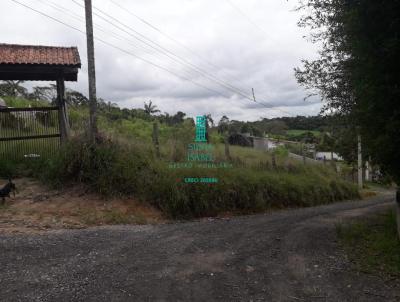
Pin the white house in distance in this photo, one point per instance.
(328, 156)
(265, 143)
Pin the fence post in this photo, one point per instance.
(273, 160)
(62, 113)
(227, 152)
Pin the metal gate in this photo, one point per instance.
(29, 132)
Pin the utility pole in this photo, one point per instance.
(360, 168)
(91, 71)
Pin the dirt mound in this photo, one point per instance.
(37, 208)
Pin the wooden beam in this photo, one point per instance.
(30, 109)
(21, 138)
(38, 72)
(62, 111)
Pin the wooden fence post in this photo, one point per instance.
(273, 160)
(62, 111)
(227, 152)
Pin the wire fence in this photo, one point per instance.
(28, 132)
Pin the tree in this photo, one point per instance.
(223, 124)
(13, 88)
(357, 72)
(209, 121)
(245, 128)
(178, 118)
(209, 125)
(76, 98)
(150, 109)
(276, 127)
(223, 128)
(44, 93)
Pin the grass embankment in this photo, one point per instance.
(125, 165)
(372, 245)
(253, 185)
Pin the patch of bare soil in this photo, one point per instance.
(37, 208)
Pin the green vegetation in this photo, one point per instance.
(294, 132)
(124, 163)
(252, 185)
(21, 102)
(373, 245)
(355, 72)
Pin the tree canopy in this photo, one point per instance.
(358, 69)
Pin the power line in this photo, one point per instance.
(240, 11)
(165, 34)
(63, 9)
(132, 54)
(98, 27)
(178, 42)
(120, 49)
(119, 37)
(169, 53)
(197, 69)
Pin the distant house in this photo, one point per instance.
(265, 143)
(328, 156)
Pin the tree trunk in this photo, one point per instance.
(398, 210)
(360, 164)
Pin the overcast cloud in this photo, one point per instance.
(259, 53)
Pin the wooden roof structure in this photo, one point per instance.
(38, 63)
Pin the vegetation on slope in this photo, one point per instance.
(373, 245)
(124, 163)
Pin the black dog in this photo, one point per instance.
(6, 190)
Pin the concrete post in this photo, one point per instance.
(91, 70)
(367, 171)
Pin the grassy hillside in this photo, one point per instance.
(301, 132)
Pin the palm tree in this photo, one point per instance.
(150, 108)
(209, 122)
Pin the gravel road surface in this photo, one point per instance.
(290, 255)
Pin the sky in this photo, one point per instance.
(195, 56)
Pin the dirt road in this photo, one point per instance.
(285, 256)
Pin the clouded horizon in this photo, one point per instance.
(226, 47)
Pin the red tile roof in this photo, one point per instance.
(27, 54)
